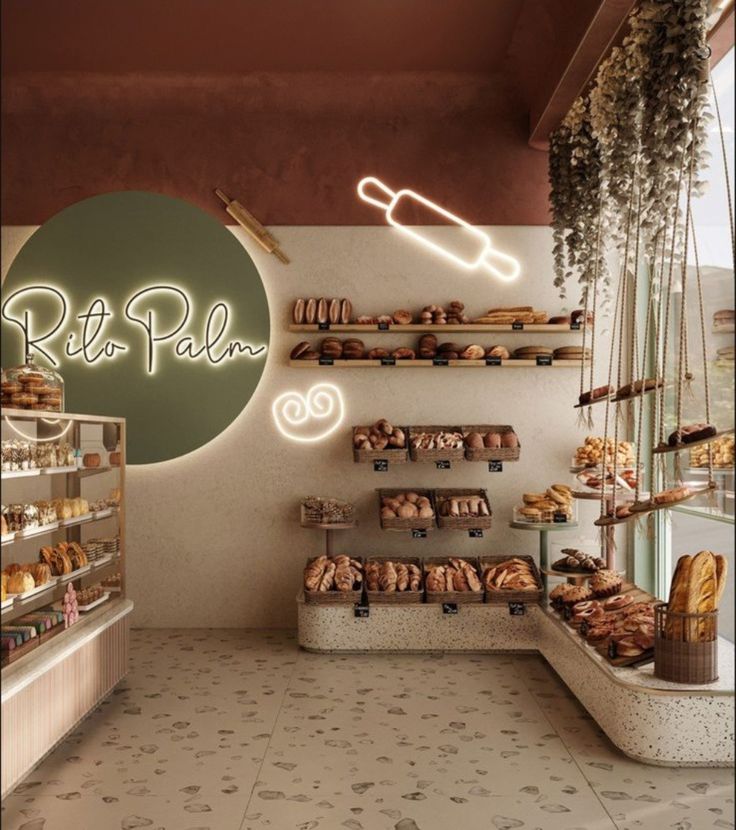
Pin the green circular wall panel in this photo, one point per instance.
(183, 341)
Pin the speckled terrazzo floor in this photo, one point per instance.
(233, 730)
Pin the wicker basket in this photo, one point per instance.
(462, 522)
(685, 646)
(500, 596)
(390, 454)
(406, 524)
(332, 597)
(435, 455)
(459, 597)
(486, 453)
(397, 597)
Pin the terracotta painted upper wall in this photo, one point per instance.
(284, 104)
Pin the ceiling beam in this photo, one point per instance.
(602, 32)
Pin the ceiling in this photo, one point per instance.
(236, 36)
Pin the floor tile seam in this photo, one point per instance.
(568, 749)
(287, 688)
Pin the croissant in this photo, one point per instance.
(328, 577)
(371, 576)
(402, 577)
(388, 577)
(344, 576)
(313, 573)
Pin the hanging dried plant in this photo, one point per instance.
(575, 176)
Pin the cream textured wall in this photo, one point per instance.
(214, 536)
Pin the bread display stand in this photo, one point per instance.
(329, 528)
(651, 720)
(78, 666)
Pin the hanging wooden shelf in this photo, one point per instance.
(644, 508)
(666, 448)
(616, 398)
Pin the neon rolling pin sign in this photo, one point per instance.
(91, 345)
(487, 258)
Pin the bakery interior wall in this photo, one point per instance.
(448, 116)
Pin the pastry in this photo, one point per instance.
(514, 574)
(627, 647)
(690, 433)
(674, 494)
(322, 310)
(617, 603)
(310, 311)
(402, 317)
(454, 575)
(636, 388)
(723, 317)
(595, 394)
(565, 594)
(333, 311)
(720, 450)
(498, 351)
(346, 310)
(20, 582)
(605, 583)
(91, 459)
(403, 354)
(595, 451)
(472, 353)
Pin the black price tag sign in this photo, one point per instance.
(380, 465)
(383, 326)
(613, 649)
(517, 326)
(449, 608)
(517, 609)
(418, 533)
(324, 326)
(475, 533)
(388, 361)
(584, 628)
(567, 613)
(495, 466)
(326, 361)
(443, 465)
(560, 518)
(493, 360)
(440, 361)
(361, 611)
(575, 326)
(544, 360)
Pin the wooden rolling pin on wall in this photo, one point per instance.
(246, 220)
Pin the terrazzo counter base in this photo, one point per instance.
(648, 719)
(47, 693)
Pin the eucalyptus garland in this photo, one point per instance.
(644, 118)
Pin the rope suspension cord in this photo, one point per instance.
(608, 399)
(706, 379)
(581, 416)
(596, 268)
(725, 170)
(658, 366)
(634, 359)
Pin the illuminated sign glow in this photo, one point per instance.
(506, 269)
(62, 431)
(90, 343)
(322, 408)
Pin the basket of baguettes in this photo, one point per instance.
(332, 580)
(463, 509)
(511, 579)
(451, 579)
(393, 581)
(686, 627)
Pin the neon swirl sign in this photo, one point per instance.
(142, 309)
(309, 418)
(501, 265)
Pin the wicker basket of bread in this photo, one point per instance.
(406, 509)
(381, 441)
(333, 580)
(686, 627)
(511, 579)
(436, 443)
(486, 442)
(460, 509)
(451, 579)
(393, 581)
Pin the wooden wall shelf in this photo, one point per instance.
(340, 363)
(373, 328)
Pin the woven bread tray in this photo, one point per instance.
(501, 595)
(414, 523)
(459, 597)
(486, 453)
(397, 597)
(461, 522)
(391, 454)
(435, 455)
(333, 596)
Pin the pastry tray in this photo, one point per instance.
(103, 514)
(38, 589)
(94, 604)
(21, 473)
(8, 538)
(6, 603)
(76, 574)
(49, 471)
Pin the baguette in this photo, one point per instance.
(702, 593)
(721, 576)
(678, 596)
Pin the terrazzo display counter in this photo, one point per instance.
(646, 718)
(45, 695)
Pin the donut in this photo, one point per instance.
(580, 607)
(589, 615)
(617, 603)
